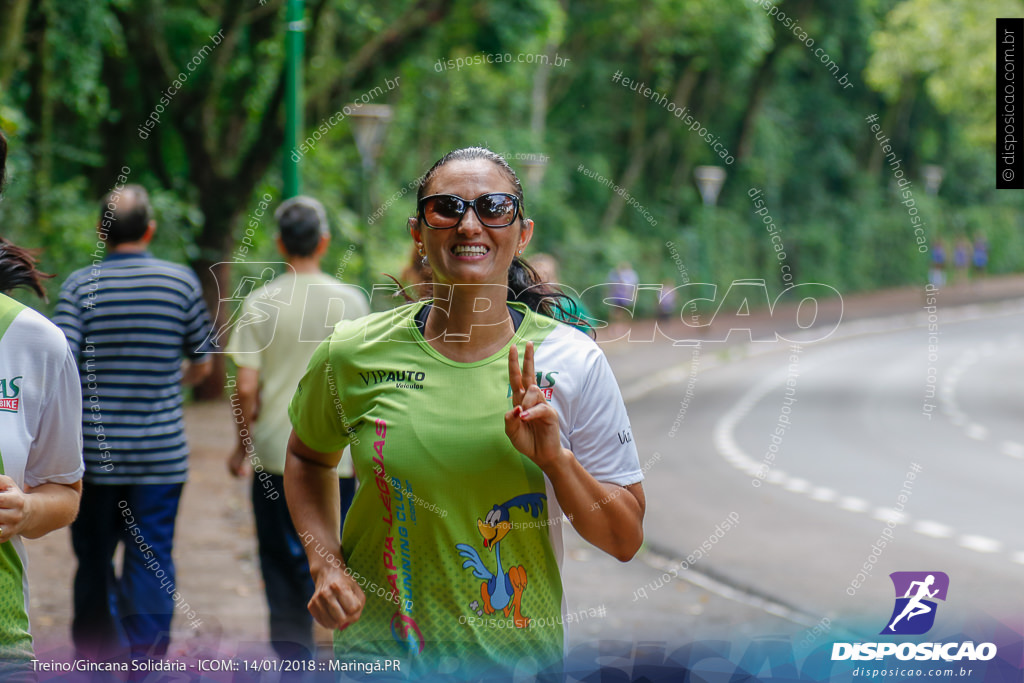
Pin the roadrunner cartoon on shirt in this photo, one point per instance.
(501, 590)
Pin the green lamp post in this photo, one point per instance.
(295, 39)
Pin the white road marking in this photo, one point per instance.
(889, 515)
(933, 529)
(823, 494)
(947, 392)
(727, 446)
(977, 432)
(981, 544)
(798, 485)
(1013, 449)
(854, 504)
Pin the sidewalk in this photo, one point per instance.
(889, 308)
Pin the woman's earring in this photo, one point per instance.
(423, 255)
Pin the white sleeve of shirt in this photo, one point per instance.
(601, 437)
(55, 455)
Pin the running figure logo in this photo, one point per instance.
(266, 307)
(914, 613)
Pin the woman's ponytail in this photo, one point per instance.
(526, 286)
(18, 269)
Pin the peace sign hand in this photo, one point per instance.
(532, 424)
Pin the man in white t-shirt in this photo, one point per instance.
(291, 315)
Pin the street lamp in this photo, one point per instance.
(369, 122)
(709, 181)
(535, 166)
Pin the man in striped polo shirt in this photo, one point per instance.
(130, 319)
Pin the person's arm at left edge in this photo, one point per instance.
(36, 511)
(54, 463)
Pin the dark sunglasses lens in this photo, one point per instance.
(497, 209)
(443, 211)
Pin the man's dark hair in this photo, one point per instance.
(124, 215)
(302, 221)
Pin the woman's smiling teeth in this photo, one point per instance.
(469, 250)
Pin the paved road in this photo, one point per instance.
(850, 425)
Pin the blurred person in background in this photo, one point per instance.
(40, 443)
(980, 256)
(962, 259)
(937, 270)
(622, 286)
(667, 302)
(271, 354)
(131, 319)
(468, 456)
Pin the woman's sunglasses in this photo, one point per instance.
(494, 210)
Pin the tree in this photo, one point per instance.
(915, 48)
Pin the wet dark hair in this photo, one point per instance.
(524, 284)
(18, 269)
(17, 265)
(125, 214)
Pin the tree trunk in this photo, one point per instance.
(12, 31)
(214, 270)
(642, 150)
(760, 83)
(892, 126)
(40, 109)
(216, 281)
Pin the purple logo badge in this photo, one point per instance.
(916, 592)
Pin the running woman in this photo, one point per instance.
(476, 421)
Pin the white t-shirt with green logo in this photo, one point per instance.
(40, 441)
(454, 535)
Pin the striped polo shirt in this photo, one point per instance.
(130, 319)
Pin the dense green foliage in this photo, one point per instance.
(76, 84)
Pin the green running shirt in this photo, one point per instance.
(454, 535)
